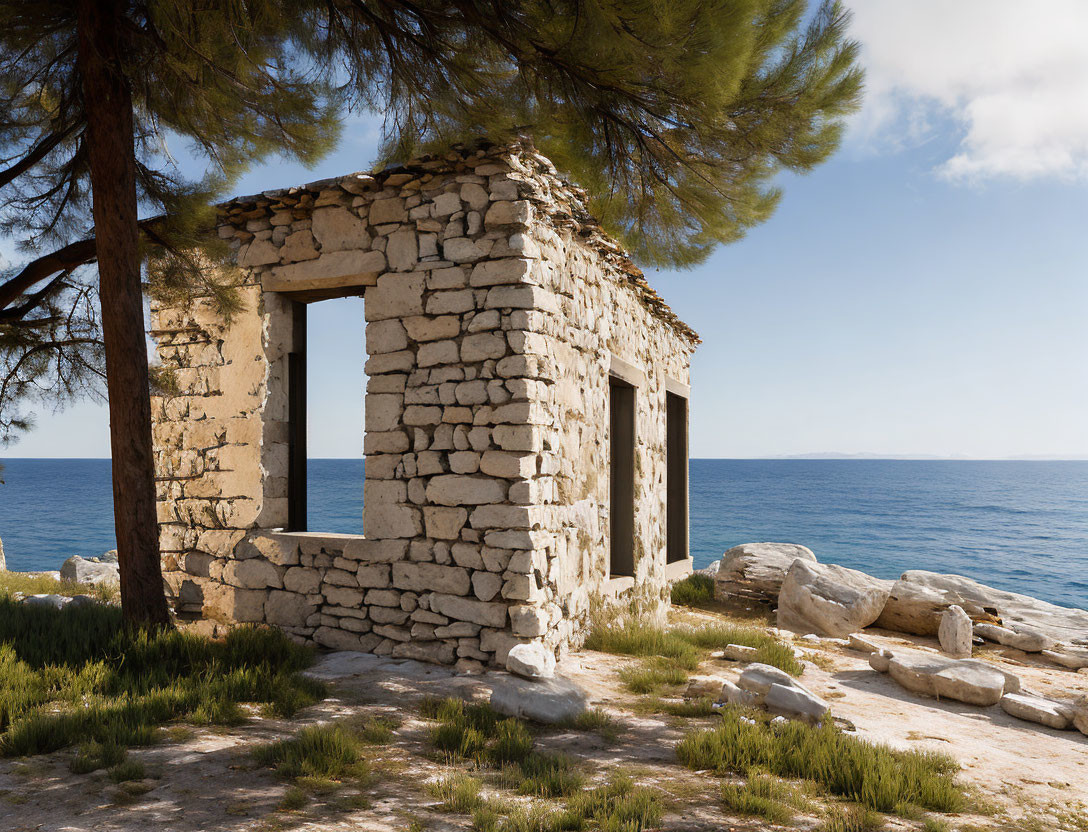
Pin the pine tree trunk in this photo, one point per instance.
(111, 153)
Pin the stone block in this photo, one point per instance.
(501, 272)
(458, 608)
(387, 210)
(395, 296)
(385, 336)
(482, 346)
(334, 270)
(444, 522)
(458, 489)
(402, 250)
(426, 577)
(388, 520)
(373, 575)
(339, 228)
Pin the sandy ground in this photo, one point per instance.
(207, 780)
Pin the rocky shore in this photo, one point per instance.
(832, 604)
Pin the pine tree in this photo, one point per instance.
(676, 116)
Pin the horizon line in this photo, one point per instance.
(815, 457)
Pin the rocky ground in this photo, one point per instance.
(1024, 776)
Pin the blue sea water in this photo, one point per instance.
(1021, 526)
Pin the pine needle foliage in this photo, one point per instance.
(675, 116)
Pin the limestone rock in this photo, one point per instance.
(543, 700)
(915, 608)
(795, 702)
(1037, 709)
(828, 599)
(756, 570)
(861, 644)
(1012, 681)
(731, 694)
(880, 660)
(1066, 656)
(701, 687)
(1060, 623)
(82, 571)
(955, 632)
(1080, 717)
(941, 678)
(532, 660)
(739, 653)
(758, 678)
(1019, 636)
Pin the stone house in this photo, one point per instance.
(525, 416)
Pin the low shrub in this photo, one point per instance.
(874, 776)
(693, 591)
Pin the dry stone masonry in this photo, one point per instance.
(497, 311)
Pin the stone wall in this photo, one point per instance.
(495, 312)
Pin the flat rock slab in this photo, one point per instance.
(756, 570)
(541, 700)
(829, 600)
(346, 664)
(1037, 709)
(970, 682)
(1070, 657)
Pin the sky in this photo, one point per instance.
(923, 293)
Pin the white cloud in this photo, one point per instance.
(1013, 74)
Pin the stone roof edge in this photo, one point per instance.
(565, 207)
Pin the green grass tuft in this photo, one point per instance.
(872, 775)
(77, 676)
(685, 647)
(475, 732)
(853, 819)
(693, 591)
(764, 796)
(318, 753)
(128, 770)
(459, 793)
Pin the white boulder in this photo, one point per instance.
(1037, 709)
(83, 571)
(955, 632)
(829, 600)
(703, 687)
(795, 702)
(542, 700)
(755, 571)
(733, 695)
(532, 660)
(758, 678)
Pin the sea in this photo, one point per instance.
(1017, 525)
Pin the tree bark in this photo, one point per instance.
(111, 152)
